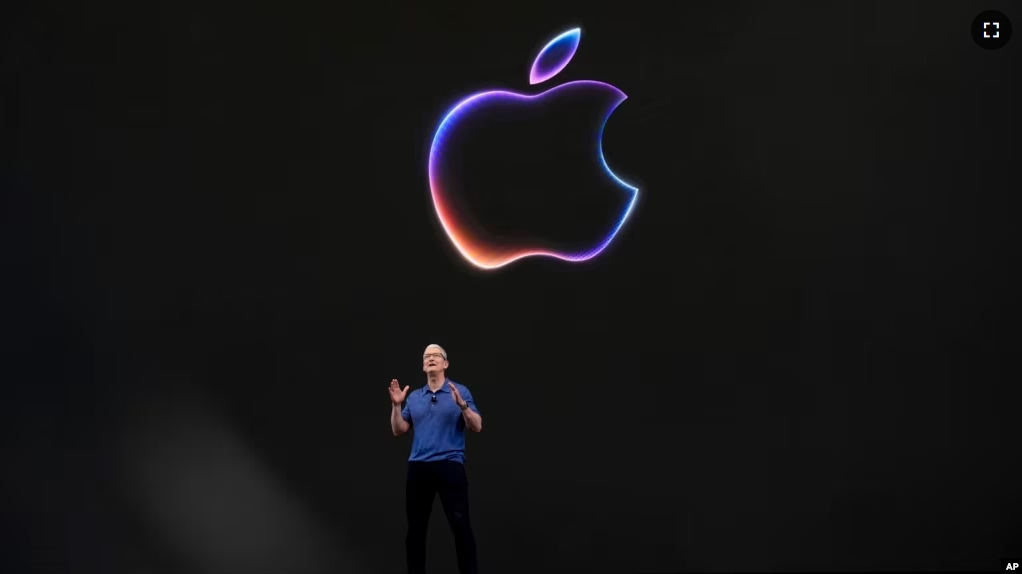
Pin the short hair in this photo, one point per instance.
(443, 353)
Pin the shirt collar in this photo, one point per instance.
(443, 388)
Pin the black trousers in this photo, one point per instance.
(426, 480)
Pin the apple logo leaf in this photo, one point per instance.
(555, 56)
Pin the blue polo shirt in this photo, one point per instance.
(438, 429)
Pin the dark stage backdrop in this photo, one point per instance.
(219, 248)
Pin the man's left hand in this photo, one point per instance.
(457, 396)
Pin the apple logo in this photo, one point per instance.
(470, 239)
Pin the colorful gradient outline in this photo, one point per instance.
(540, 72)
(488, 257)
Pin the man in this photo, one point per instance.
(439, 412)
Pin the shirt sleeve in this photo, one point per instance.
(406, 413)
(467, 395)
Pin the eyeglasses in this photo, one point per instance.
(432, 356)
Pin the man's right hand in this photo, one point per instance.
(397, 394)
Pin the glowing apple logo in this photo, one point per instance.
(478, 249)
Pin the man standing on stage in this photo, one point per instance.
(439, 412)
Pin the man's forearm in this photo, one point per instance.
(398, 425)
(473, 421)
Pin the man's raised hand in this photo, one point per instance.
(457, 395)
(397, 394)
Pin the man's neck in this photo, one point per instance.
(435, 381)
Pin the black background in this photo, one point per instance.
(218, 249)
